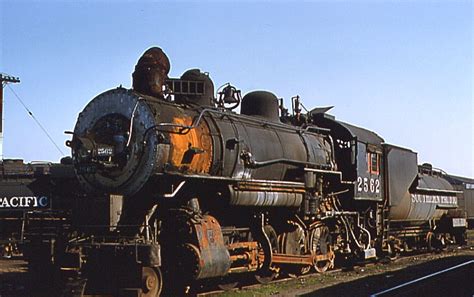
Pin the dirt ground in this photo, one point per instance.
(370, 279)
(13, 278)
(361, 281)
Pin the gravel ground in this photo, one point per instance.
(458, 285)
(13, 278)
(370, 279)
(361, 281)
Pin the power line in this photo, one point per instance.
(36, 120)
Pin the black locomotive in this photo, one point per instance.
(183, 189)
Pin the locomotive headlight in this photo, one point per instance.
(111, 150)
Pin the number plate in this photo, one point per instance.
(459, 222)
(368, 185)
(105, 151)
(370, 253)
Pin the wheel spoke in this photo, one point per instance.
(320, 246)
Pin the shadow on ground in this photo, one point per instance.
(457, 283)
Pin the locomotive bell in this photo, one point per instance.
(151, 72)
(229, 95)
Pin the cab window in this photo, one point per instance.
(373, 160)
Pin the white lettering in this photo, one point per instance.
(43, 201)
(377, 186)
(359, 184)
(13, 203)
(420, 198)
(24, 202)
(367, 185)
(28, 201)
(459, 222)
(5, 203)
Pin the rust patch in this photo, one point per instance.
(212, 256)
(245, 256)
(192, 151)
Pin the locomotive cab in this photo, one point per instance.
(359, 157)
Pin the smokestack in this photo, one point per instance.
(151, 72)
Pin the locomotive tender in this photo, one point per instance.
(198, 192)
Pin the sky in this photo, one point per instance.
(403, 69)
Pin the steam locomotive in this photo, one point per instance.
(182, 189)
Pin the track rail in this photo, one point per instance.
(413, 286)
(276, 281)
(252, 286)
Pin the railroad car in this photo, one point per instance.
(466, 197)
(184, 190)
(29, 199)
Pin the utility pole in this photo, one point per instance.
(4, 79)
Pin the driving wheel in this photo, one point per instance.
(321, 247)
(152, 282)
